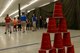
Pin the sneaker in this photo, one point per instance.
(5, 33)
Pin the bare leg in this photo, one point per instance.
(6, 28)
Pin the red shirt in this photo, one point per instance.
(15, 22)
(7, 19)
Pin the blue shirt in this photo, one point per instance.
(34, 18)
(23, 18)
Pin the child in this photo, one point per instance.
(34, 20)
(19, 24)
(28, 25)
(8, 24)
(14, 24)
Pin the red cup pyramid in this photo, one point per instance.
(60, 41)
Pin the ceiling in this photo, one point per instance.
(14, 6)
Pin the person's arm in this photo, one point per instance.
(32, 19)
(20, 18)
(5, 18)
(26, 20)
(17, 22)
(11, 20)
(36, 18)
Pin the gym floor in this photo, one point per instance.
(30, 42)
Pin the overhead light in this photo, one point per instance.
(25, 6)
(32, 2)
(27, 12)
(13, 13)
(8, 4)
(44, 4)
(16, 15)
(30, 10)
(55, 0)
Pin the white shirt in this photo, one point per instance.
(47, 20)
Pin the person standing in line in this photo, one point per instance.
(34, 19)
(23, 21)
(47, 20)
(8, 24)
(40, 22)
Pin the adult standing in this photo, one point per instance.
(41, 22)
(23, 21)
(8, 24)
(47, 20)
(34, 19)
